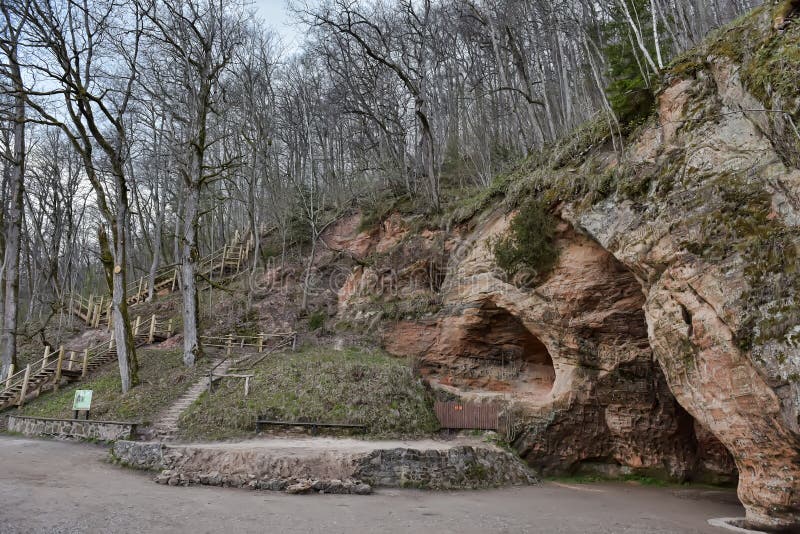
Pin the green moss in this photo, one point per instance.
(775, 66)
(374, 212)
(529, 245)
(736, 38)
(685, 66)
(660, 480)
(787, 9)
(476, 472)
(316, 320)
(743, 224)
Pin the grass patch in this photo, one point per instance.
(163, 376)
(318, 384)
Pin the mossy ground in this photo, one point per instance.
(164, 378)
(317, 384)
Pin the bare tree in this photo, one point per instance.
(12, 25)
(75, 38)
(198, 38)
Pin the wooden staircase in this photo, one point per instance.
(222, 262)
(66, 366)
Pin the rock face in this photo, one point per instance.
(570, 355)
(717, 256)
(666, 338)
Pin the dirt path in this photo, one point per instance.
(299, 445)
(166, 426)
(48, 486)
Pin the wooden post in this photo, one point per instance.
(260, 342)
(152, 334)
(169, 328)
(222, 264)
(45, 356)
(246, 385)
(59, 363)
(139, 293)
(230, 342)
(10, 373)
(174, 279)
(71, 360)
(111, 341)
(85, 361)
(239, 259)
(24, 390)
(99, 311)
(136, 325)
(89, 306)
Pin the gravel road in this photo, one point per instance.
(55, 487)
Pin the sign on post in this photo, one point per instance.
(83, 400)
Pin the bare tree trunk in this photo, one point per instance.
(123, 334)
(13, 226)
(638, 35)
(151, 279)
(192, 349)
(655, 34)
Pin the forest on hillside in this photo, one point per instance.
(136, 134)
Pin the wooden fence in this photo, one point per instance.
(71, 363)
(224, 261)
(468, 415)
(257, 343)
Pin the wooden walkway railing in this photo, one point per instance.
(227, 260)
(255, 343)
(73, 364)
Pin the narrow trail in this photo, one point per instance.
(166, 427)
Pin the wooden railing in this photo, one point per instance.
(228, 259)
(257, 343)
(51, 366)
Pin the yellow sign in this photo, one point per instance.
(83, 400)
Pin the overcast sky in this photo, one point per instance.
(276, 14)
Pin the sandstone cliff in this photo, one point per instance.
(665, 340)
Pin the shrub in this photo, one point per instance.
(529, 245)
(316, 320)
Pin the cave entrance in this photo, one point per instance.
(504, 355)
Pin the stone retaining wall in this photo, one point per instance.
(461, 467)
(71, 428)
(456, 468)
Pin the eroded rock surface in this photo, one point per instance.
(570, 355)
(666, 338)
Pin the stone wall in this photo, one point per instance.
(459, 467)
(108, 431)
(455, 468)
